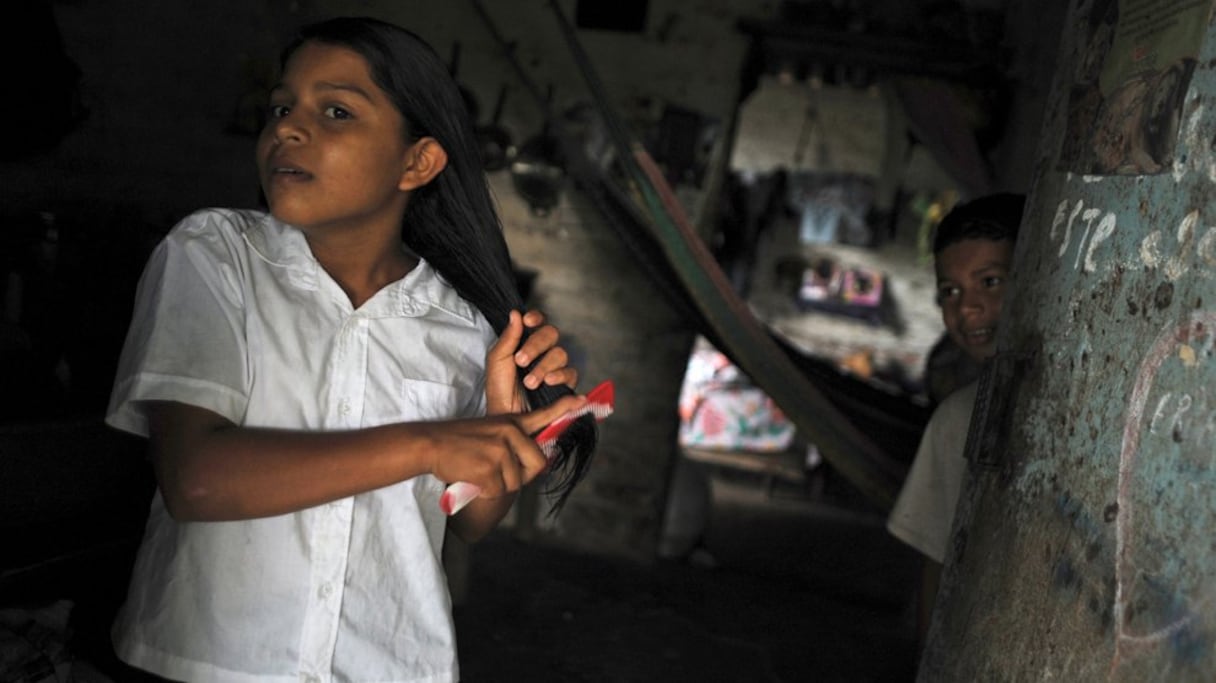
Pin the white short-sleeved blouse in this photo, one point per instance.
(233, 314)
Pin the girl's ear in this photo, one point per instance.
(423, 161)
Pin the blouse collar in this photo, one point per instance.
(422, 288)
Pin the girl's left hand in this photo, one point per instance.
(503, 392)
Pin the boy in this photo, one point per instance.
(973, 253)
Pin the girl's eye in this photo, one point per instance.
(278, 111)
(993, 281)
(946, 293)
(335, 112)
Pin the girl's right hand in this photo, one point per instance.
(496, 453)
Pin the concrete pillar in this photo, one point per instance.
(1082, 549)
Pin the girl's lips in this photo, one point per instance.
(281, 165)
(289, 173)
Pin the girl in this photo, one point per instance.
(309, 379)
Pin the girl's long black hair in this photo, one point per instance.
(451, 221)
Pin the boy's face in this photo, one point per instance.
(971, 277)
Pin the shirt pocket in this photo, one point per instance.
(423, 400)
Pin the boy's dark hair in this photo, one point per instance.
(993, 217)
(451, 222)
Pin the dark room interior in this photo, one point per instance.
(764, 301)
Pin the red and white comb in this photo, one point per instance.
(600, 402)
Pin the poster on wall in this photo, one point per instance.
(1129, 80)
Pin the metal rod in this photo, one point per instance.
(508, 49)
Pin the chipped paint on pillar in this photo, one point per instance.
(1086, 548)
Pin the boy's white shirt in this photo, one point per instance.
(923, 515)
(234, 315)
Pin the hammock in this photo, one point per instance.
(865, 433)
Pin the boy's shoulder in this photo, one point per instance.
(955, 410)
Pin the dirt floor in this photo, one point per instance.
(807, 586)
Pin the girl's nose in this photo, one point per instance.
(287, 128)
